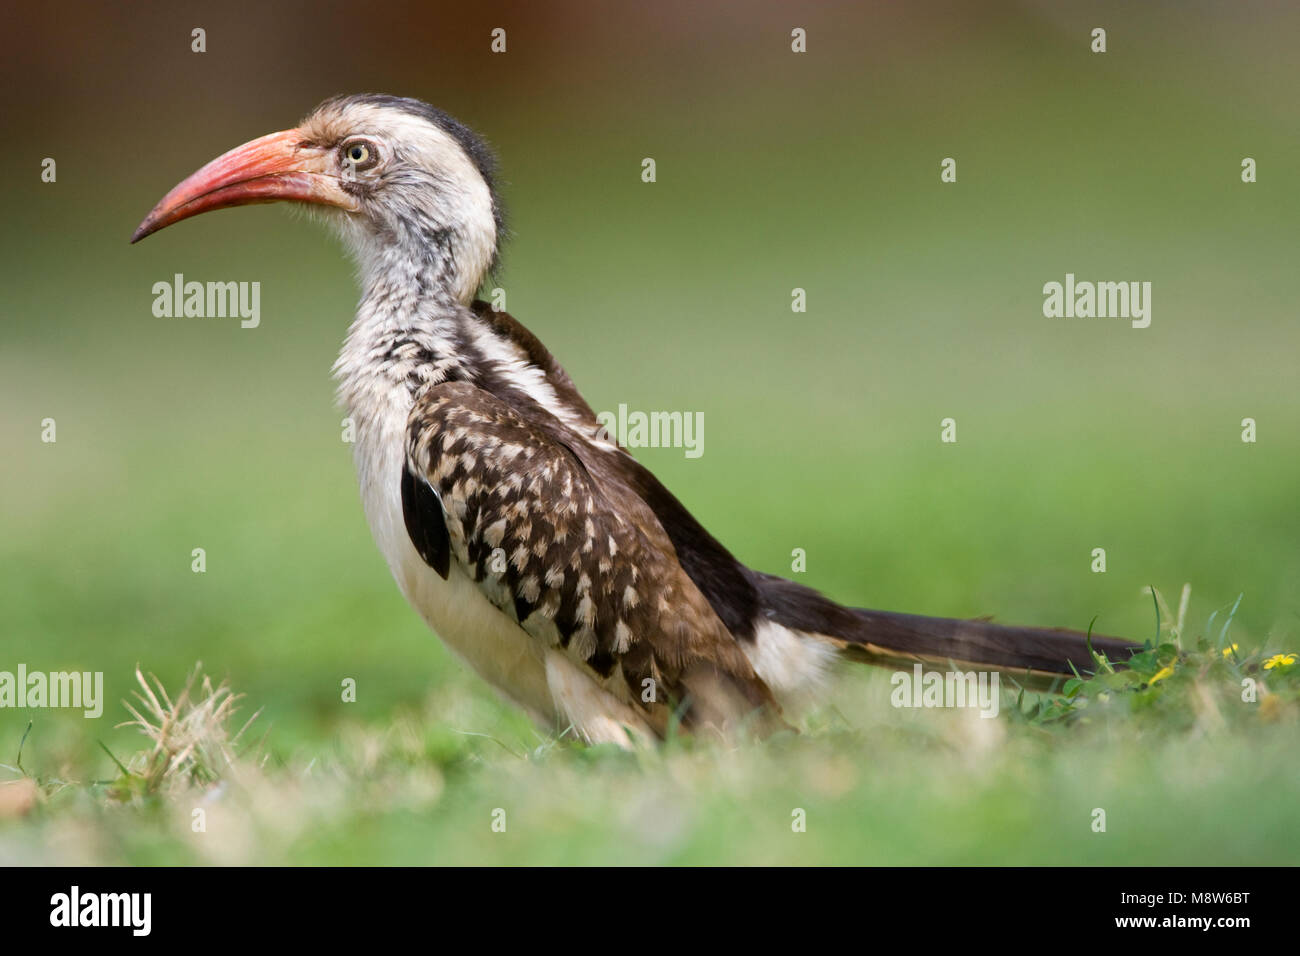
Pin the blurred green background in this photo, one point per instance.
(775, 171)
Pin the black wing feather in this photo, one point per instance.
(425, 523)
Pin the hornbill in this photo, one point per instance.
(530, 541)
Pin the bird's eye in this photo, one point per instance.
(360, 154)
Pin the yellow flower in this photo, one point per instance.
(1161, 674)
(1231, 649)
(1279, 660)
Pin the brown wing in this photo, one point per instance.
(724, 581)
(580, 563)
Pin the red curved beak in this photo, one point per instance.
(268, 169)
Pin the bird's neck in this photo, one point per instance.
(411, 331)
(410, 335)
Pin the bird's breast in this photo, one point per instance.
(488, 640)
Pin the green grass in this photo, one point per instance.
(1184, 770)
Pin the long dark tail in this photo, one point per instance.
(891, 638)
(1039, 650)
(739, 595)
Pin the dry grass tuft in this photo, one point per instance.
(192, 741)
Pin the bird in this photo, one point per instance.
(525, 535)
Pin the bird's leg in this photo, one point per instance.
(597, 715)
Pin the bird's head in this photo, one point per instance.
(407, 186)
